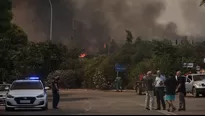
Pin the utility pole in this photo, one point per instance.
(108, 50)
(51, 19)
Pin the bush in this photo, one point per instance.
(68, 78)
(99, 80)
(89, 70)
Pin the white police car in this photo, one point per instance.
(27, 94)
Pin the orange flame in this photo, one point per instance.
(82, 55)
(105, 45)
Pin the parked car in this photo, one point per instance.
(3, 92)
(140, 86)
(195, 84)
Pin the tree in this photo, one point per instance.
(143, 50)
(202, 3)
(200, 54)
(163, 47)
(13, 44)
(138, 40)
(90, 70)
(6, 16)
(68, 78)
(113, 46)
(44, 57)
(129, 36)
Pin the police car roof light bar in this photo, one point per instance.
(33, 78)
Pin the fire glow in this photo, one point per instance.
(82, 55)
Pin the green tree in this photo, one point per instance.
(6, 16)
(143, 50)
(90, 69)
(202, 2)
(68, 78)
(13, 52)
(129, 36)
(45, 57)
(13, 43)
(113, 47)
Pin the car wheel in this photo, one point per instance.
(203, 94)
(195, 93)
(134, 87)
(9, 109)
(45, 107)
(138, 90)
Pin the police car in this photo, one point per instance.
(28, 93)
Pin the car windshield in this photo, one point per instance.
(199, 77)
(26, 85)
(2, 87)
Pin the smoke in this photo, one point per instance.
(91, 23)
(26, 17)
(34, 17)
(187, 15)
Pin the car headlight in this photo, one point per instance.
(41, 95)
(9, 96)
(198, 84)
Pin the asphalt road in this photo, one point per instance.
(84, 102)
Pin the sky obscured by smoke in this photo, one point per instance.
(91, 23)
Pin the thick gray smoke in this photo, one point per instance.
(91, 23)
(187, 15)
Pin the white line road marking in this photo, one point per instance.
(162, 111)
(87, 105)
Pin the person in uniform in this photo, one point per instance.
(55, 92)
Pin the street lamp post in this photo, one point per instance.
(51, 20)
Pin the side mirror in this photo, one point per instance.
(6, 88)
(47, 88)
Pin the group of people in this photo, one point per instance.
(164, 89)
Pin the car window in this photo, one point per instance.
(188, 80)
(190, 77)
(199, 77)
(26, 85)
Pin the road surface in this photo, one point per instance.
(85, 102)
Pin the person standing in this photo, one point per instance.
(181, 90)
(55, 92)
(149, 82)
(118, 83)
(159, 90)
(170, 84)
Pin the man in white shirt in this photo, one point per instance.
(159, 90)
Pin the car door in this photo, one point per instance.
(189, 83)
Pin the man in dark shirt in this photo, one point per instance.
(149, 89)
(182, 91)
(170, 84)
(55, 91)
